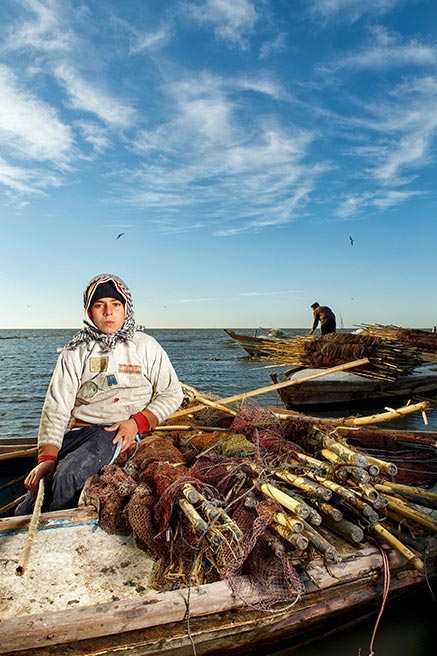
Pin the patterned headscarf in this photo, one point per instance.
(91, 332)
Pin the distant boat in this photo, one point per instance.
(345, 389)
(253, 345)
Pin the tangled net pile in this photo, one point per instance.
(388, 358)
(241, 505)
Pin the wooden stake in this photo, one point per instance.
(33, 526)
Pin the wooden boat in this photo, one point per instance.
(17, 457)
(253, 344)
(86, 592)
(345, 389)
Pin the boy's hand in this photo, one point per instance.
(126, 430)
(45, 470)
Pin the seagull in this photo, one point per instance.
(351, 240)
(120, 235)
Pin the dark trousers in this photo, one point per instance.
(84, 451)
(328, 327)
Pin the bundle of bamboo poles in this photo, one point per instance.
(338, 490)
(346, 492)
(388, 358)
(421, 339)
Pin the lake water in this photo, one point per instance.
(209, 361)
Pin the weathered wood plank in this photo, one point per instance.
(84, 514)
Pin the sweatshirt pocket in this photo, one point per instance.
(102, 383)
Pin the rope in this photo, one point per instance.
(385, 592)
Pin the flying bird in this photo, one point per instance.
(351, 240)
(119, 235)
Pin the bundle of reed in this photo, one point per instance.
(388, 358)
(421, 339)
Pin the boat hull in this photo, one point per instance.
(345, 389)
(252, 345)
(149, 622)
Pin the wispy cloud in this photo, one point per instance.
(29, 127)
(349, 10)
(45, 31)
(234, 167)
(407, 125)
(272, 46)
(261, 84)
(356, 203)
(95, 135)
(231, 21)
(93, 98)
(26, 181)
(386, 51)
(150, 41)
(208, 299)
(286, 292)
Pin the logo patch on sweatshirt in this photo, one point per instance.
(98, 364)
(129, 368)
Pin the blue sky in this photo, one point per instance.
(236, 144)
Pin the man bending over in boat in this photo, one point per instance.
(325, 315)
(112, 382)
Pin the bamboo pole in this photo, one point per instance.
(13, 481)
(304, 484)
(346, 529)
(298, 540)
(23, 453)
(208, 402)
(342, 491)
(387, 467)
(402, 508)
(270, 388)
(196, 521)
(401, 487)
(33, 527)
(330, 511)
(285, 500)
(12, 504)
(350, 422)
(392, 541)
(293, 524)
(391, 414)
(346, 453)
(319, 542)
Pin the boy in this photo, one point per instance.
(114, 381)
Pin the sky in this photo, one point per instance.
(233, 161)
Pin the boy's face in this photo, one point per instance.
(108, 315)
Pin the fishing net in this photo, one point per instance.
(217, 536)
(214, 506)
(113, 488)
